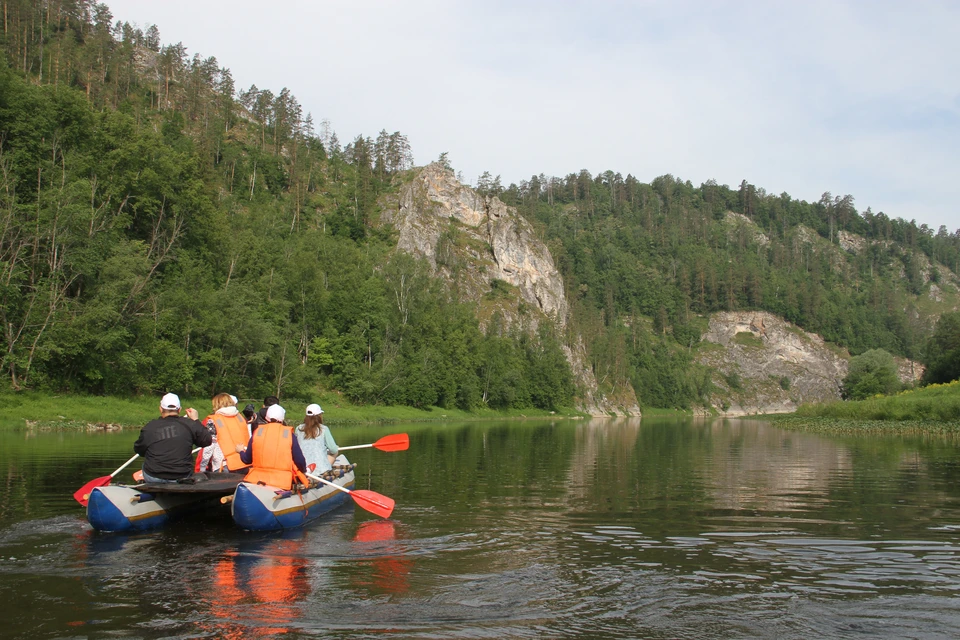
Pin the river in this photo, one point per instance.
(603, 529)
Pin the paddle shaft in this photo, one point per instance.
(332, 484)
(370, 500)
(135, 456)
(125, 464)
(356, 446)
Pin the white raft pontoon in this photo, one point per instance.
(148, 506)
(258, 507)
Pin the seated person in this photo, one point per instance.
(268, 402)
(166, 443)
(231, 430)
(274, 453)
(316, 441)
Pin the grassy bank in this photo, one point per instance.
(653, 412)
(40, 410)
(937, 402)
(932, 410)
(846, 426)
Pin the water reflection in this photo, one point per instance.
(385, 568)
(607, 528)
(257, 587)
(771, 469)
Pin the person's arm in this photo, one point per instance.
(298, 458)
(140, 447)
(246, 454)
(201, 435)
(330, 442)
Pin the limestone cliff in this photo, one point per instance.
(765, 364)
(453, 227)
(491, 256)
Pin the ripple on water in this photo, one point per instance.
(765, 563)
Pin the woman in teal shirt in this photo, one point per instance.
(316, 441)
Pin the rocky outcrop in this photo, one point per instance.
(491, 256)
(851, 242)
(909, 371)
(739, 224)
(765, 364)
(453, 226)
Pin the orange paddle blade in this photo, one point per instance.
(395, 442)
(82, 495)
(375, 503)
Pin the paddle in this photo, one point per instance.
(395, 442)
(82, 495)
(372, 501)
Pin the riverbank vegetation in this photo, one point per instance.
(934, 402)
(932, 409)
(163, 229)
(39, 410)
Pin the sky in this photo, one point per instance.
(847, 97)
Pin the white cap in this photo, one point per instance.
(233, 399)
(170, 402)
(276, 413)
(314, 409)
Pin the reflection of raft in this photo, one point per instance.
(263, 508)
(147, 506)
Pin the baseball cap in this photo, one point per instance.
(170, 402)
(276, 413)
(314, 409)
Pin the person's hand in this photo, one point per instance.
(241, 448)
(192, 413)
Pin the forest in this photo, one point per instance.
(644, 263)
(161, 229)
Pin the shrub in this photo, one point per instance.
(733, 381)
(872, 372)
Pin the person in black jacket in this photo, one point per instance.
(268, 402)
(166, 443)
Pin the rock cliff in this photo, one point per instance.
(765, 364)
(491, 256)
(453, 227)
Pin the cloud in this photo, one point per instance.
(847, 97)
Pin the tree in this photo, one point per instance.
(870, 373)
(942, 355)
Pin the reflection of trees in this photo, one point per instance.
(481, 487)
(759, 467)
(602, 443)
(668, 475)
(28, 489)
(639, 470)
(630, 465)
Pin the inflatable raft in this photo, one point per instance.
(148, 506)
(259, 507)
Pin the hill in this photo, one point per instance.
(163, 230)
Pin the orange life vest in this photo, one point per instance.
(231, 431)
(273, 457)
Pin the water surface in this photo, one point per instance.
(652, 529)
